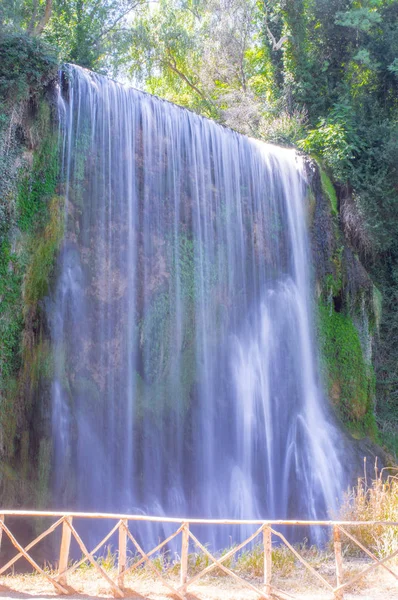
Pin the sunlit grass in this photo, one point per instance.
(374, 500)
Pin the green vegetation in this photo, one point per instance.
(35, 224)
(90, 33)
(40, 182)
(26, 66)
(328, 189)
(43, 256)
(375, 500)
(349, 379)
(31, 226)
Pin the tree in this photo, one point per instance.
(207, 56)
(88, 31)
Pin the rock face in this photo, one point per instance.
(181, 320)
(349, 309)
(33, 234)
(30, 235)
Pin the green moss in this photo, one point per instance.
(377, 307)
(22, 239)
(38, 186)
(350, 381)
(28, 246)
(11, 320)
(327, 185)
(30, 229)
(8, 416)
(333, 282)
(40, 364)
(43, 256)
(329, 191)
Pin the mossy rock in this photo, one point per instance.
(350, 380)
(44, 255)
(329, 191)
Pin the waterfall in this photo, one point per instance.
(186, 380)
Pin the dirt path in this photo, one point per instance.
(377, 586)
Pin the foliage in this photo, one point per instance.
(204, 56)
(27, 15)
(87, 32)
(26, 65)
(251, 561)
(90, 33)
(329, 140)
(281, 127)
(376, 500)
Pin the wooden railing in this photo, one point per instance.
(266, 530)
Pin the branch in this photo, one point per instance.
(275, 45)
(31, 25)
(171, 63)
(38, 30)
(116, 21)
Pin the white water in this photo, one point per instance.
(182, 322)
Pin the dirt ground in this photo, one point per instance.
(89, 585)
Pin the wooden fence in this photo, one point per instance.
(266, 530)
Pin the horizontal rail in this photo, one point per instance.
(195, 521)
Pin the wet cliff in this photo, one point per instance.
(32, 232)
(30, 235)
(349, 305)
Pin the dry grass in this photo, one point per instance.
(87, 584)
(375, 500)
(288, 574)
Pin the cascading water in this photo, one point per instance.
(186, 379)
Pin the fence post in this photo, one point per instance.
(122, 552)
(1, 531)
(339, 594)
(64, 550)
(184, 555)
(267, 541)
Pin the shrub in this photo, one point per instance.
(285, 128)
(330, 141)
(26, 64)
